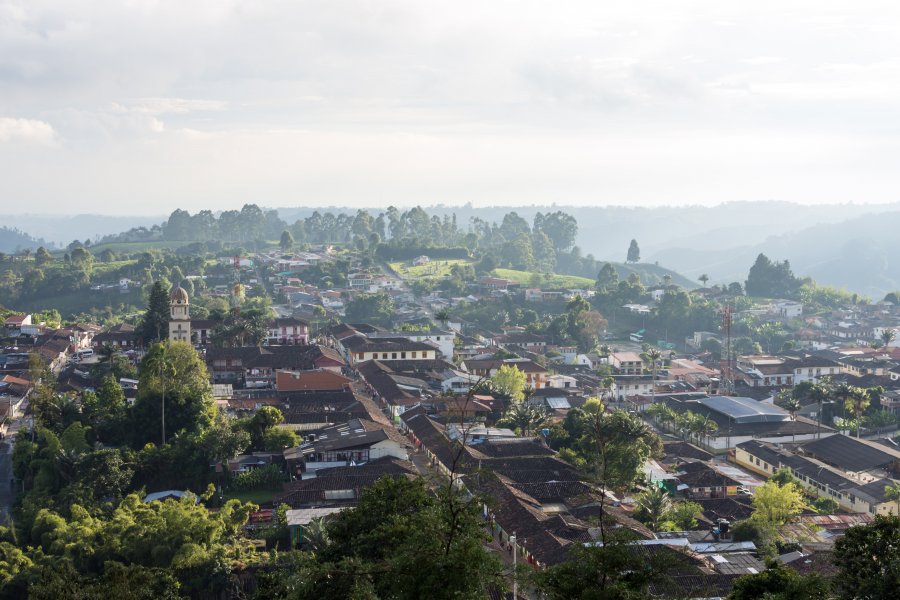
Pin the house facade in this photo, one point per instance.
(287, 331)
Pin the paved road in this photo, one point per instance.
(6, 494)
(7, 491)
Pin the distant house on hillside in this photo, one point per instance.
(15, 322)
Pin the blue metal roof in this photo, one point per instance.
(745, 410)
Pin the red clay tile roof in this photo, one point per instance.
(293, 381)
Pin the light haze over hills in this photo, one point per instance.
(844, 245)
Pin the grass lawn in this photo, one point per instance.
(435, 268)
(254, 496)
(552, 281)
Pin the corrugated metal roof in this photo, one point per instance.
(745, 410)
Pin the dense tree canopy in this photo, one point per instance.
(173, 369)
(771, 279)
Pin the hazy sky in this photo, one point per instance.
(142, 106)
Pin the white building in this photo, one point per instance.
(444, 341)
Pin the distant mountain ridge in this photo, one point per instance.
(63, 229)
(13, 240)
(861, 255)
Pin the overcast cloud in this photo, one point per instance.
(142, 106)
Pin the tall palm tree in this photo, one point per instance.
(707, 427)
(525, 417)
(684, 423)
(788, 402)
(653, 505)
(663, 414)
(703, 279)
(156, 361)
(820, 393)
(653, 355)
(888, 336)
(606, 385)
(442, 315)
(857, 403)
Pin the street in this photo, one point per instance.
(7, 491)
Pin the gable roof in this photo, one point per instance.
(320, 379)
(299, 357)
(851, 454)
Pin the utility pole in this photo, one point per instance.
(162, 382)
(513, 540)
(727, 375)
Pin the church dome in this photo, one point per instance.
(179, 295)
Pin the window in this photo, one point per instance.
(339, 495)
(403, 355)
(384, 355)
(414, 354)
(393, 355)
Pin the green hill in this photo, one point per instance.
(651, 274)
(549, 280)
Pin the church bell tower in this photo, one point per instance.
(179, 316)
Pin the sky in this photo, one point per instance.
(143, 106)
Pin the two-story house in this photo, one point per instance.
(627, 363)
(536, 376)
(287, 330)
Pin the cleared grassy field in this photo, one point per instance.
(550, 281)
(435, 268)
(253, 496)
(101, 267)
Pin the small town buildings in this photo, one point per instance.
(857, 458)
(14, 323)
(531, 342)
(287, 330)
(357, 441)
(627, 363)
(814, 368)
(535, 374)
(317, 380)
(122, 336)
(361, 349)
(256, 366)
(765, 371)
(818, 478)
(442, 339)
(739, 419)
